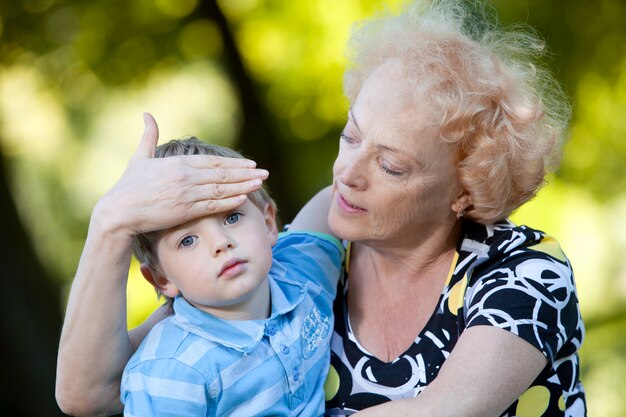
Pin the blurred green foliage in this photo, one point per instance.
(75, 77)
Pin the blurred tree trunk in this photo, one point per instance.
(258, 138)
(31, 318)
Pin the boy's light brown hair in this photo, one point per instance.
(143, 244)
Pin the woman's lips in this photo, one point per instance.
(232, 268)
(348, 206)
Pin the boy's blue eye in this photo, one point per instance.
(187, 241)
(233, 218)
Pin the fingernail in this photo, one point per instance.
(264, 173)
(256, 183)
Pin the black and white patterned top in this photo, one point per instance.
(503, 275)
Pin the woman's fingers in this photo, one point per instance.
(213, 161)
(224, 176)
(207, 207)
(216, 191)
(211, 198)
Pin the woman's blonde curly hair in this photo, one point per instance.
(490, 93)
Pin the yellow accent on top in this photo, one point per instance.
(534, 402)
(347, 261)
(455, 258)
(561, 403)
(456, 296)
(457, 293)
(550, 246)
(331, 386)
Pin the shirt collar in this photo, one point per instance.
(241, 335)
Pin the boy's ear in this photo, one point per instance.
(159, 281)
(269, 215)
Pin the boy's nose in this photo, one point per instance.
(223, 244)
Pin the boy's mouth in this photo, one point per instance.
(232, 267)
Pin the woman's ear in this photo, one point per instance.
(269, 214)
(461, 204)
(159, 281)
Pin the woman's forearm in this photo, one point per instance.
(314, 215)
(488, 369)
(152, 194)
(94, 345)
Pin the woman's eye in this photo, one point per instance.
(187, 241)
(346, 138)
(390, 171)
(233, 218)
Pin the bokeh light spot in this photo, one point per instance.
(200, 39)
(176, 8)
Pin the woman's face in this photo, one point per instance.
(394, 180)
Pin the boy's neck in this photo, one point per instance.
(257, 307)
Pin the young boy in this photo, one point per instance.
(252, 322)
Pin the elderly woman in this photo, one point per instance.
(445, 307)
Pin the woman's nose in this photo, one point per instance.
(353, 171)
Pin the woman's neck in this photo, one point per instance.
(394, 290)
(420, 258)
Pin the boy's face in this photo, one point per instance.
(220, 263)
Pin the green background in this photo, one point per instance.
(264, 77)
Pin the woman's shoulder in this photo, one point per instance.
(506, 242)
(504, 251)
(520, 279)
(500, 232)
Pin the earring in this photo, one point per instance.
(460, 214)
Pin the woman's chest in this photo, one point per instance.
(386, 324)
(358, 379)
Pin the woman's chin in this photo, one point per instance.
(344, 229)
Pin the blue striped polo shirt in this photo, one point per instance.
(195, 364)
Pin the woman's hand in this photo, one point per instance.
(155, 194)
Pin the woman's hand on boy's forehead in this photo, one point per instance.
(217, 178)
(155, 194)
